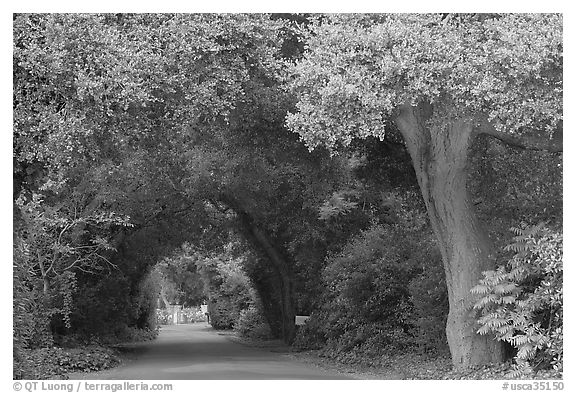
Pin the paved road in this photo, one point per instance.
(196, 351)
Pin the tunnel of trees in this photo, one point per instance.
(365, 170)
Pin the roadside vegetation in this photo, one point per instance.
(397, 178)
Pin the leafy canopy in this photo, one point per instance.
(358, 69)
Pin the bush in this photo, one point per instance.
(223, 312)
(366, 342)
(522, 301)
(31, 316)
(366, 307)
(252, 324)
(429, 298)
(368, 281)
(385, 292)
(312, 334)
(132, 334)
(45, 363)
(229, 288)
(124, 334)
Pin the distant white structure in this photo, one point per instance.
(301, 319)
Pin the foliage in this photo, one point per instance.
(193, 314)
(522, 301)
(429, 298)
(368, 279)
(359, 68)
(57, 246)
(336, 205)
(511, 186)
(180, 282)
(122, 333)
(223, 313)
(146, 302)
(31, 320)
(252, 324)
(47, 363)
(155, 117)
(228, 288)
(385, 287)
(310, 336)
(436, 76)
(108, 111)
(384, 291)
(134, 132)
(164, 317)
(188, 315)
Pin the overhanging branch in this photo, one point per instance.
(528, 140)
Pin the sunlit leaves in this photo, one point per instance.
(522, 302)
(336, 205)
(91, 86)
(359, 68)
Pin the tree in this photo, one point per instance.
(443, 80)
(90, 140)
(270, 186)
(180, 281)
(225, 283)
(164, 119)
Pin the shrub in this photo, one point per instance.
(429, 298)
(122, 333)
(252, 324)
(223, 313)
(366, 306)
(132, 334)
(522, 301)
(366, 342)
(384, 291)
(311, 335)
(229, 288)
(45, 363)
(368, 281)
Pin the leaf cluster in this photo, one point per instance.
(358, 70)
(522, 302)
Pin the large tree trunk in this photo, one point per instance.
(440, 157)
(279, 263)
(286, 284)
(265, 285)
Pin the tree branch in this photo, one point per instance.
(526, 141)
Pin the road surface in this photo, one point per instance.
(195, 351)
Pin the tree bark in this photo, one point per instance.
(286, 284)
(266, 285)
(261, 241)
(440, 157)
(530, 140)
(45, 280)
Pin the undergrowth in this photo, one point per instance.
(44, 363)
